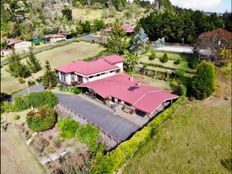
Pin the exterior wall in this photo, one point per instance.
(57, 39)
(120, 65)
(107, 74)
(67, 78)
(23, 46)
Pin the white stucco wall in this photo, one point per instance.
(120, 65)
(23, 46)
(57, 39)
(107, 74)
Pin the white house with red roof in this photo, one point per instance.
(79, 72)
(125, 90)
(18, 45)
(55, 37)
(102, 79)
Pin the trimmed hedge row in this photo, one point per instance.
(36, 99)
(109, 163)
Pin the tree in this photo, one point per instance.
(203, 83)
(117, 41)
(164, 58)
(49, 77)
(140, 40)
(131, 60)
(16, 68)
(67, 13)
(98, 24)
(227, 18)
(215, 41)
(86, 26)
(33, 63)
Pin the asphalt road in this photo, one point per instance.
(118, 127)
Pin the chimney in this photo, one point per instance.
(131, 79)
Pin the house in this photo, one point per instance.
(121, 89)
(18, 45)
(55, 37)
(79, 72)
(103, 79)
(128, 28)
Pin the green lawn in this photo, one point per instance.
(195, 140)
(56, 57)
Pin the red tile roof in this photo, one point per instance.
(87, 68)
(12, 41)
(128, 28)
(112, 59)
(143, 97)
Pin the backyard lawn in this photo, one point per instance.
(15, 156)
(197, 139)
(56, 57)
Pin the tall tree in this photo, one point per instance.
(33, 63)
(117, 40)
(67, 13)
(215, 41)
(203, 83)
(49, 77)
(16, 68)
(131, 61)
(139, 41)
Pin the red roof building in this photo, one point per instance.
(82, 71)
(131, 92)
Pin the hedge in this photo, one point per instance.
(36, 99)
(113, 160)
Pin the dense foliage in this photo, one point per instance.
(36, 99)
(131, 61)
(117, 41)
(219, 43)
(88, 134)
(109, 163)
(49, 77)
(43, 119)
(182, 26)
(76, 90)
(98, 24)
(16, 68)
(68, 127)
(203, 83)
(33, 63)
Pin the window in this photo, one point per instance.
(63, 78)
(111, 71)
(73, 77)
(90, 77)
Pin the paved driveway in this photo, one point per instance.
(116, 126)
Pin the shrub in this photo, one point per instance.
(114, 159)
(180, 72)
(152, 56)
(30, 83)
(177, 62)
(36, 99)
(203, 82)
(177, 87)
(68, 127)
(21, 80)
(37, 43)
(39, 79)
(98, 24)
(193, 61)
(88, 134)
(16, 117)
(43, 119)
(164, 58)
(7, 107)
(76, 90)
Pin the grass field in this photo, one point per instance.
(196, 140)
(56, 57)
(15, 156)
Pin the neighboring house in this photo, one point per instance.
(128, 28)
(127, 91)
(79, 72)
(55, 37)
(5, 52)
(19, 45)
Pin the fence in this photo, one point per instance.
(115, 140)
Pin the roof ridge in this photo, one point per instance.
(148, 92)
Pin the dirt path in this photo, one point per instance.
(15, 155)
